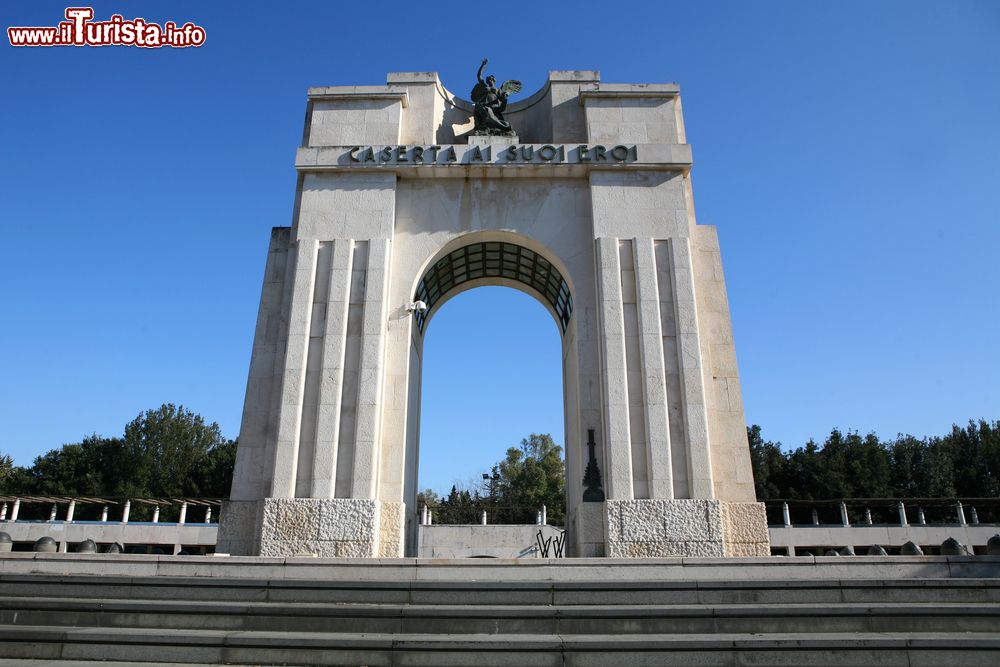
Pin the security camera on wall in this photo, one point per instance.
(416, 306)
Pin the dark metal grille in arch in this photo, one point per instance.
(494, 259)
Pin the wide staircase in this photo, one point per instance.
(913, 611)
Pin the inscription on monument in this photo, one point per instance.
(491, 154)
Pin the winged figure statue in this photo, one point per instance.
(490, 103)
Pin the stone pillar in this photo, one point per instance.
(902, 514)
(785, 516)
(367, 427)
(974, 515)
(960, 512)
(16, 509)
(208, 514)
(844, 518)
(182, 519)
(156, 514)
(293, 378)
(104, 514)
(70, 511)
(692, 383)
(657, 420)
(126, 510)
(3, 512)
(618, 475)
(52, 513)
(331, 390)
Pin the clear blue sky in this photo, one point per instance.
(848, 152)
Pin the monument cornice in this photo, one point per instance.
(630, 91)
(346, 93)
(460, 160)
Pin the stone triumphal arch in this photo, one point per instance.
(578, 195)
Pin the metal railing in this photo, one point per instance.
(484, 513)
(883, 512)
(94, 509)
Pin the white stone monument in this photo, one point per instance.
(589, 209)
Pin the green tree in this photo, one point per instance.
(162, 452)
(768, 463)
(965, 462)
(6, 471)
(460, 506)
(906, 461)
(213, 477)
(806, 473)
(833, 478)
(62, 472)
(428, 497)
(14, 479)
(528, 477)
(973, 452)
(937, 474)
(167, 452)
(531, 476)
(867, 466)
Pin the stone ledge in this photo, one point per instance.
(918, 571)
(353, 93)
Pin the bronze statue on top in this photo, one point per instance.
(490, 104)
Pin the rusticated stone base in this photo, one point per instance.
(664, 528)
(239, 528)
(744, 529)
(327, 527)
(391, 536)
(659, 528)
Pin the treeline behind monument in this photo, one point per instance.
(514, 490)
(963, 463)
(167, 452)
(170, 452)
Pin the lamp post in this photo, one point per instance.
(492, 481)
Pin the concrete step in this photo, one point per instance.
(29, 662)
(662, 650)
(475, 593)
(506, 619)
(806, 568)
(146, 610)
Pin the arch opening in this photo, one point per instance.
(492, 375)
(498, 260)
(494, 259)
